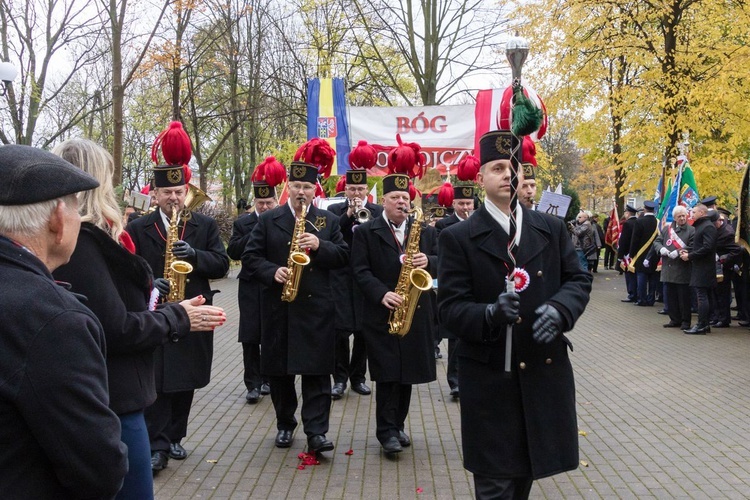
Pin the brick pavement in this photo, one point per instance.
(665, 415)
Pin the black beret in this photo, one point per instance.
(629, 208)
(395, 182)
(356, 177)
(31, 175)
(649, 205)
(303, 172)
(709, 201)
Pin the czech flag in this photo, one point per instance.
(327, 119)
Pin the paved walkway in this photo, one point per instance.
(661, 415)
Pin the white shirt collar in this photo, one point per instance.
(504, 220)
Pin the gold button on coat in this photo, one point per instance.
(539, 273)
(522, 365)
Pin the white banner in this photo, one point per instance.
(445, 133)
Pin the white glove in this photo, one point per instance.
(674, 254)
(664, 251)
(645, 263)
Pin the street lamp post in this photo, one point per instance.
(8, 73)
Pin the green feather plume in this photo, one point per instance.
(527, 118)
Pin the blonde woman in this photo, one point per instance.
(118, 284)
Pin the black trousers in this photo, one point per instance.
(489, 488)
(678, 304)
(451, 371)
(739, 295)
(610, 257)
(723, 294)
(251, 360)
(316, 403)
(392, 400)
(352, 369)
(705, 300)
(167, 418)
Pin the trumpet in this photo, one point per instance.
(361, 213)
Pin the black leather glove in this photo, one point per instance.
(162, 284)
(182, 250)
(548, 325)
(503, 311)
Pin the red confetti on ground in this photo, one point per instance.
(350, 452)
(419, 490)
(307, 459)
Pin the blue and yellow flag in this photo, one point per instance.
(327, 118)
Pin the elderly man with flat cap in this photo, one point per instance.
(60, 439)
(518, 410)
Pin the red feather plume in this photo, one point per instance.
(317, 152)
(319, 192)
(445, 195)
(413, 191)
(363, 156)
(528, 150)
(341, 184)
(270, 171)
(406, 159)
(468, 168)
(174, 144)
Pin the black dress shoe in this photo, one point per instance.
(177, 452)
(685, 326)
(698, 330)
(337, 390)
(362, 389)
(403, 439)
(720, 324)
(454, 392)
(391, 446)
(159, 461)
(319, 444)
(662, 312)
(252, 396)
(643, 304)
(283, 439)
(627, 300)
(265, 389)
(437, 354)
(743, 323)
(671, 325)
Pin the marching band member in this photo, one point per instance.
(250, 291)
(183, 366)
(348, 298)
(396, 362)
(527, 189)
(516, 425)
(297, 337)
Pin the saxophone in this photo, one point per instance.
(411, 282)
(296, 261)
(175, 271)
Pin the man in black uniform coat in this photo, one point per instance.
(702, 255)
(729, 253)
(623, 249)
(463, 206)
(297, 337)
(249, 291)
(347, 296)
(396, 362)
(645, 231)
(180, 367)
(59, 437)
(519, 425)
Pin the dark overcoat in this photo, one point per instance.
(626, 236)
(348, 297)
(376, 266)
(184, 365)
(443, 332)
(674, 270)
(643, 230)
(703, 254)
(117, 286)
(296, 337)
(728, 251)
(58, 437)
(249, 291)
(524, 424)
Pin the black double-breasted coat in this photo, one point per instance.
(347, 296)
(296, 337)
(644, 230)
(376, 266)
(702, 255)
(626, 236)
(184, 365)
(522, 425)
(443, 332)
(250, 290)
